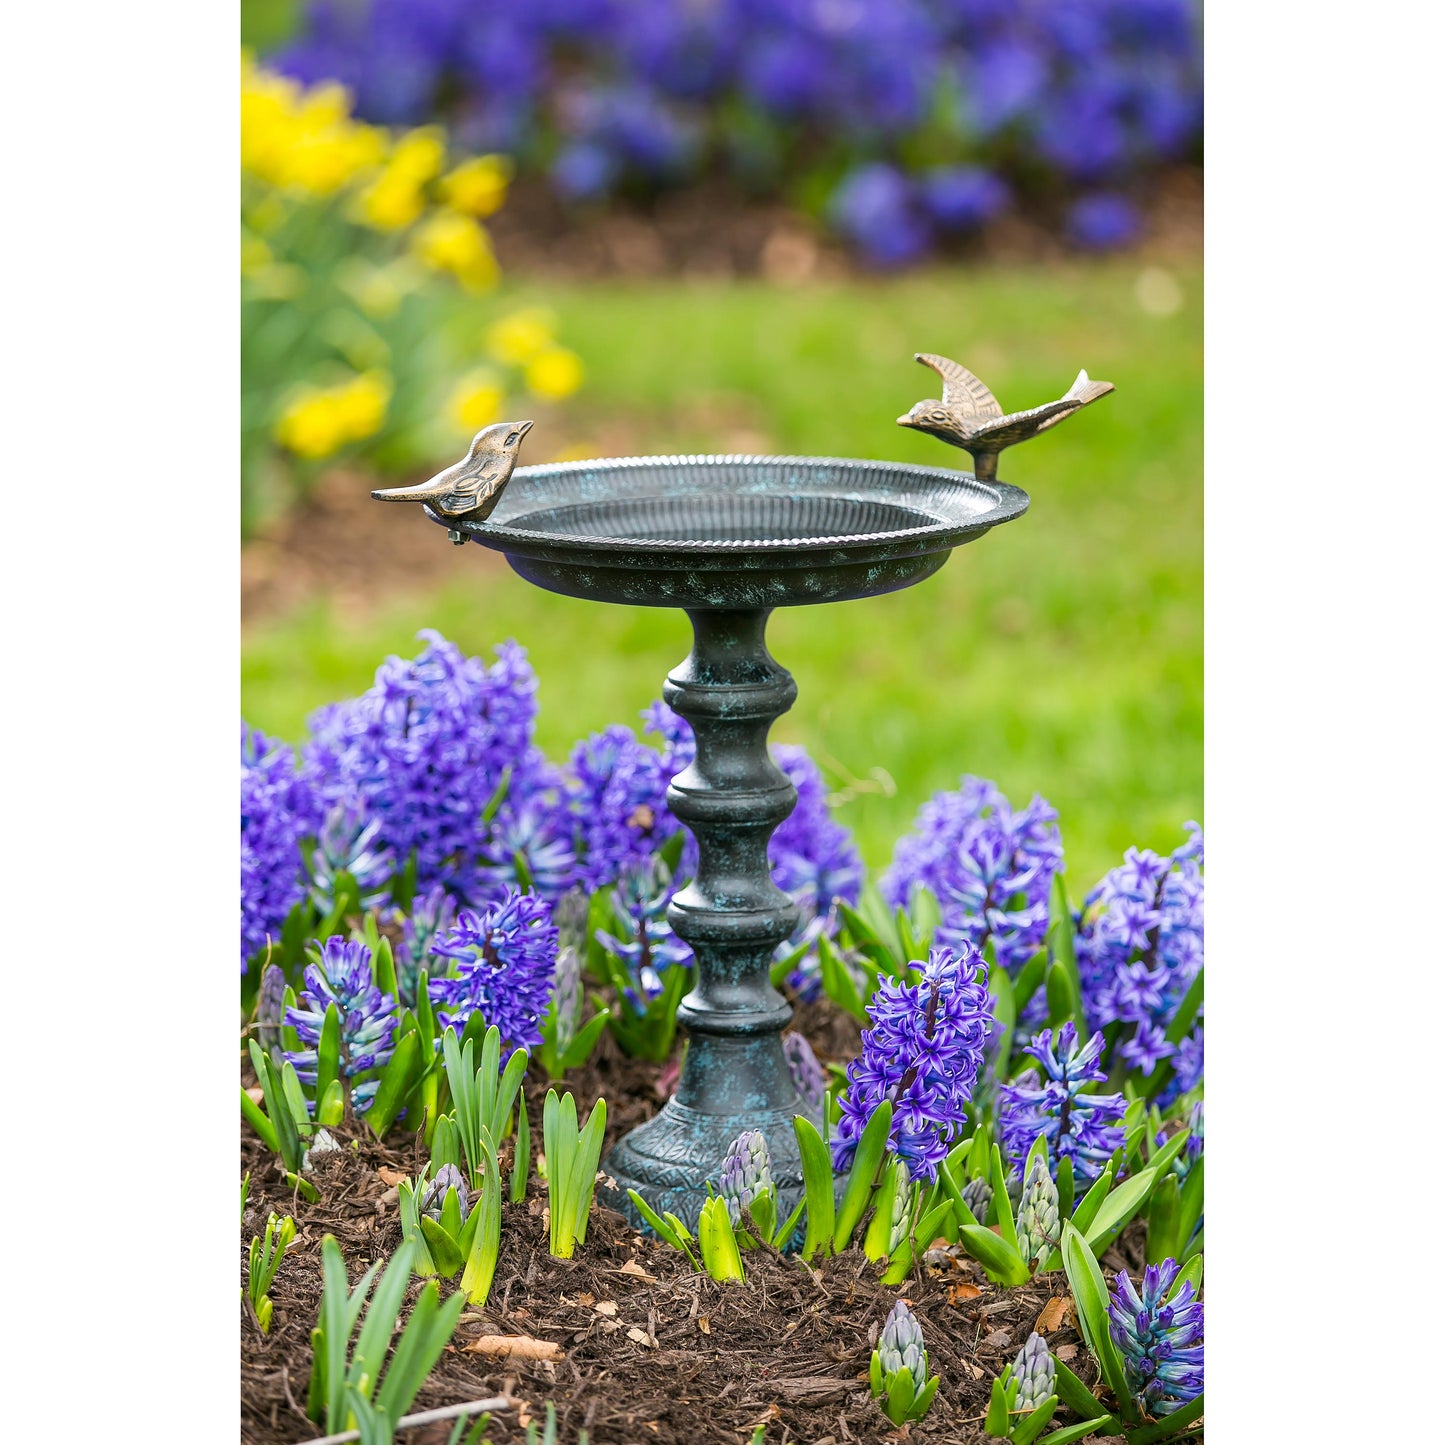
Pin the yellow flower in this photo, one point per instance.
(362, 404)
(476, 400)
(303, 139)
(392, 202)
(449, 241)
(554, 373)
(478, 186)
(516, 339)
(419, 153)
(319, 422)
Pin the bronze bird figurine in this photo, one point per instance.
(473, 486)
(969, 417)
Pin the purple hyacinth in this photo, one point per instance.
(813, 857)
(349, 841)
(538, 831)
(1161, 1338)
(617, 792)
(432, 913)
(342, 976)
(647, 946)
(1103, 222)
(806, 1071)
(1140, 945)
(503, 959)
(425, 749)
(1079, 1126)
(277, 811)
(815, 861)
(990, 868)
(923, 1052)
(615, 95)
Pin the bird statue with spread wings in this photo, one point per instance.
(969, 417)
(472, 487)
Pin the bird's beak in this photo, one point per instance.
(523, 427)
(906, 419)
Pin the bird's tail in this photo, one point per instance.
(423, 493)
(1084, 391)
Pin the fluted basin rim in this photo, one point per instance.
(952, 505)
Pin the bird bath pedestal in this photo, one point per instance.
(727, 539)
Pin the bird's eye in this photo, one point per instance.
(512, 439)
(939, 416)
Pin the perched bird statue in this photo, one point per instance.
(969, 417)
(473, 486)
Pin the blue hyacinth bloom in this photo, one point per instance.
(1161, 1338)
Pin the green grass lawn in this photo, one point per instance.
(1062, 654)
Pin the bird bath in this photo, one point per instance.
(727, 539)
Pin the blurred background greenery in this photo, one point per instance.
(1061, 654)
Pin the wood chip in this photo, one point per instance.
(704, 1324)
(520, 1347)
(391, 1176)
(639, 1336)
(256, 1096)
(1067, 1352)
(637, 1272)
(606, 1307)
(1053, 1314)
(999, 1339)
(586, 1300)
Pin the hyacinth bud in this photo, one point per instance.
(1034, 1370)
(435, 1193)
(569, 913)
(898, 1220)
(978, 1195)
(747, 1171)
(900, 1346)
(269, 1007)
(807, 1072)
(567, 990)
(1038, 1217)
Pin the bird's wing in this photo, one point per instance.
(963, 392)
(476, 485)
(1019, 426)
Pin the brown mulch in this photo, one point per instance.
(683, 1360)
(709, 231)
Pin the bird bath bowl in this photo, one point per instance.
(734, 531)
(727, 539)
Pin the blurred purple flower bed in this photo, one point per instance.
(899, 124)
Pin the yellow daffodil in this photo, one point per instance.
(516, 339)
(392, 201)
(478, 186)
(554, 373)
(320, 421)
(419, 153)
(303, 139)
(449, 241)
(476, 400)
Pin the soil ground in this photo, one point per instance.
(677, 1358)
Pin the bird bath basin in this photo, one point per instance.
(735, 531)
(727, 539)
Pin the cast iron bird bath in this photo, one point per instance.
(727, 539)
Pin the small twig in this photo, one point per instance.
(426, 1417)
(290, 1398)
